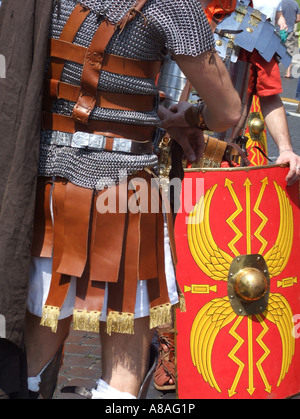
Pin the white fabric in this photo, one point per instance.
(105, 391)
(34, 382)
(40, 279)
(268, 7)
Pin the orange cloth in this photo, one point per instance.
(218, 9)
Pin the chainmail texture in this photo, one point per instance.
(91, 169)
(177, 26)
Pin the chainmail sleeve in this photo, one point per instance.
(185, 27)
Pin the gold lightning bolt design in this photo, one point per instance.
(239, 209)
(232, 356)
(266, 352)
(262, 216)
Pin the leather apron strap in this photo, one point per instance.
(91, 71)
(106, 245)
(42, 244)
(122, 296)
(75, 20)
(77, 212)
(88, 303)
(59, 286)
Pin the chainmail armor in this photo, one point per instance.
(91, 169)
(171, 25)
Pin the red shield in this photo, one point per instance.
(221, 354)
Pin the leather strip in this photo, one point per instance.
(131, 14)
(77, 17)
(75, 20)
(157, 287)
(220, 151)
(96, 142)
(131, 67)
(89, 301)
(122, 295)
(60, 90)
(59, 283)
(43, 235)
(77, 212)
(147, 253)
(55, 122)
(108, 234)
(67, 51)
(91, 72)
(215, 149)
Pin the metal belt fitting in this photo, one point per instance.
(96, 142)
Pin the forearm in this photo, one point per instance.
(274, 114)
(211, 80)
(275, 118)
(280, 21)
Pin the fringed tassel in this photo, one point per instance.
(120, 323)
(88, 321)
(50, 317)
(181, 303)
(160, 315)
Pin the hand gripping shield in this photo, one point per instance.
(238, 240)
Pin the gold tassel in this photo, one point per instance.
(120, 322)
(160, 315)
(50, 317)
(89, 321)
(181, 303)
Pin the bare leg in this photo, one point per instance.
(41, 343)
(125, 357)
(288, 71)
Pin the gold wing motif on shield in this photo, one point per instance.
(207, 324)
(217, 314)
(280, 313)
(214, 261)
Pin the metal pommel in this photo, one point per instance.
(250, 284)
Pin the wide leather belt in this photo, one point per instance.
(96, 142)
(63, 123)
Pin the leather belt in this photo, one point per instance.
(97, 142)
(56, 122)
(60, 90)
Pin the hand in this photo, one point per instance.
(175, 116)
(294, 162)
(191, 141)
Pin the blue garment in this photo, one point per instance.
(298, 90)
(290, 10)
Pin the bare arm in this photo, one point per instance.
(280, 21)
(210, 78)
(275, 118)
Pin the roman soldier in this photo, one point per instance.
(99, 254)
